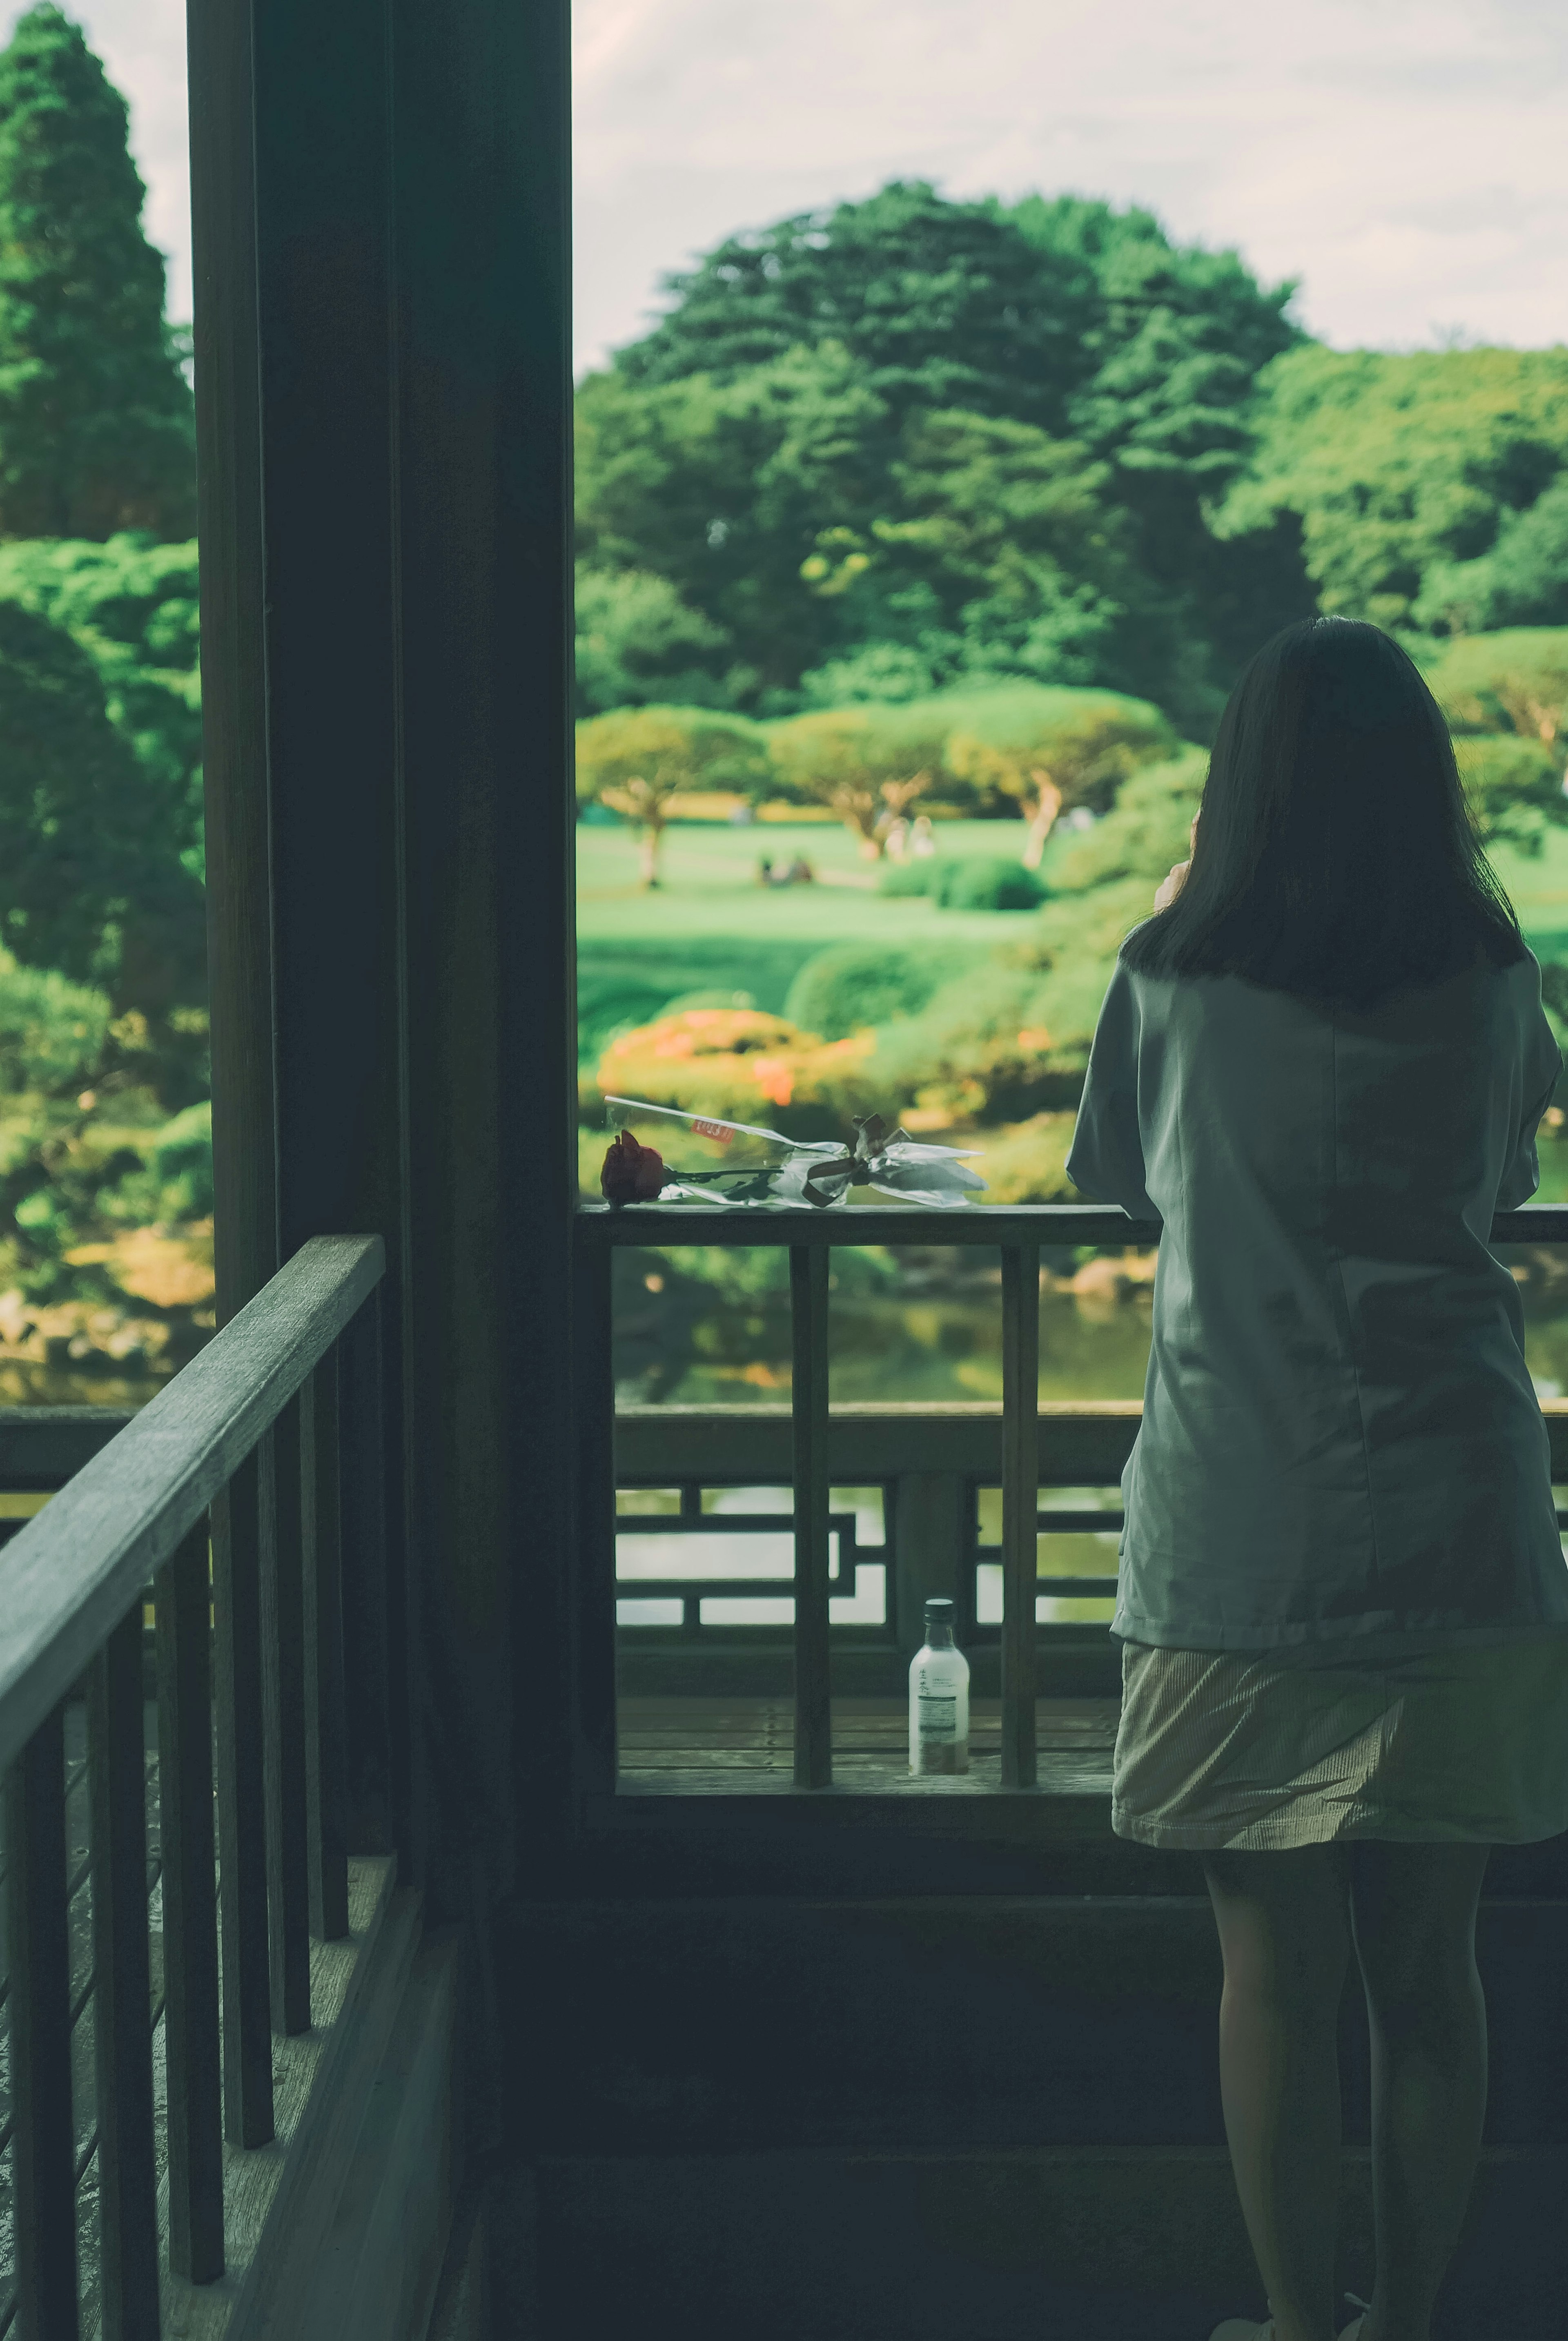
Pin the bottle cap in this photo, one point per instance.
(939, 1611)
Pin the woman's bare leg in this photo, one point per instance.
(1414, 1924)
(1283, 1928)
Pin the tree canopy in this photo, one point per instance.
(937, 303)
(1427, 486)
(96, 424)
(893, 446)
(91, 878)
(130, 604)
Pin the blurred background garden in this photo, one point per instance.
(921, 539)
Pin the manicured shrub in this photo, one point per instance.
(977, 884)
(852, 986)
(906, 878)
(740, 1065)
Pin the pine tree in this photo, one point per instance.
(96, 424)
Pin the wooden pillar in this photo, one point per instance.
(328, 392)
(234, 646)
(380, 201)
(483, 486)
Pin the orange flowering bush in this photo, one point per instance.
(737, 1063)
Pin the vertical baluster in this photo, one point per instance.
(190, 2038)
(1020, 1506)
(927, 1531)
(367, 1627)
(326, 1802)
(282, 1665)
(241, 1827)
(593, 1343)
(38, 1956)
(809, 1267)
(122, 2041)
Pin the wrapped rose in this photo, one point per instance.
(632, 1173)
(780, 1169)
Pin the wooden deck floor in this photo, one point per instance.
(717, 1747)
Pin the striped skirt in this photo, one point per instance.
(1224, 1748)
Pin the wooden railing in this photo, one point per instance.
(1020, 1448)
(932, 1472)
(271, 1435)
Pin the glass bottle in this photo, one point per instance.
(938, 1697)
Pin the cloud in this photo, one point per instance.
(1404, 158)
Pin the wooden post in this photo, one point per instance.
(38, 1960)
(809, 1269)
(242, 1828)
(368, 1587)
(929, 1540)
(326, 1795)
(282, 1662)
(1020, 1506)
(595, 1556)
(233, 591)
(122, 2039)
(191, 2036)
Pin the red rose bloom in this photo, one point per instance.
(632, 1173)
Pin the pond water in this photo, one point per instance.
(924, 1324)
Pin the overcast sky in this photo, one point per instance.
(1406, 159)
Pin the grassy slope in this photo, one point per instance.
(708, 899)
(710, 926)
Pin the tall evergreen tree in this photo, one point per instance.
(97, 426)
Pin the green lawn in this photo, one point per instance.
(710, 927)
(709, 886)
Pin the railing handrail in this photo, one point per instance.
(68, 1579)
(916, 1223)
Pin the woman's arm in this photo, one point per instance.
(1105, 1160)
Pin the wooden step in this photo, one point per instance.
(697, 1808)
(1109, 2244)
(727, 2024)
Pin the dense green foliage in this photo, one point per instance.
(1512, 681)
(90, 881)
(907, 443)
(849, 986)
(96, 429)
(130, 604)
(88, 1155)
(100, 813)
(1428, 487)
(637, 641)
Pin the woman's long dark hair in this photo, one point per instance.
(1335, 855)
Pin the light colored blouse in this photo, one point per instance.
(1341, 1451)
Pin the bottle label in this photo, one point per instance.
(937, 1717)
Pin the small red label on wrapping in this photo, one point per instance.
(714, 1130)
